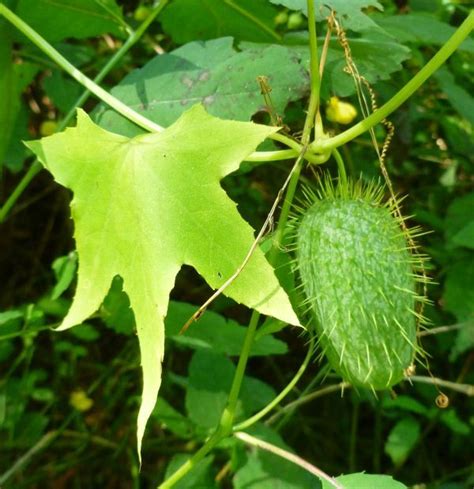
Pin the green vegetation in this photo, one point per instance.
(153, 158)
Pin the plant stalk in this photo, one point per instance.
(321, 146)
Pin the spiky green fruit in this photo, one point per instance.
(359, 280)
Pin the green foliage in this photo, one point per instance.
(123, 184)
(68, 401)
(250, 20)
(349, 12)
(401, 440)
(78, 19)
(209, 381)
(212, 73)
(263, 470)
(357, 481)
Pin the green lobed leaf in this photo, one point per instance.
(251, 20)
(402, 439)
(143, 207)
(210, 380)
(366, 481)
(213, 73)
(215, 332)
(349, 13)
(376, 55)
(71, 18)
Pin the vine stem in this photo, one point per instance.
(324, 145)
(77, 74)
(36, 166)
(313, 105)
(280, 452)
(258, 416)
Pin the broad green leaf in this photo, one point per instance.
(216, 333)
(405, 403)
(458, 290)
(464, 340)
(402, 439)
(251, 20)
(350, 13)
(458, 216)
(420, 28)
(452, 420)
(461, 100)
(264, 470)
(210, 380)
(71, 18)
(143, 207)
(213, 73)
(376, 55)
(366, 481)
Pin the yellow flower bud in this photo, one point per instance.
(80, 401)
(341, 112)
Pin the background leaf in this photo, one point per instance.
(264, 470)
(71, 18)
(224, 80)
(401, 440)
(350, 13)
(251, 20)
(359, 481)
(210, 379)
(216, 333)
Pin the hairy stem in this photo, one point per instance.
(401, 96)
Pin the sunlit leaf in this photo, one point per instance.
(145, 206)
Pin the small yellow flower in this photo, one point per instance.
(341, 112)
(47, 128)
(80, 401)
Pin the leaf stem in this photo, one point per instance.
(291, 457)
(315, 76)
(256, 417)
(36, 166)
(69, 68)
(402, 95)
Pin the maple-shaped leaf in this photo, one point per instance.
(143, 207)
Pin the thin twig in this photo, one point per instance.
(291, 457)
(303, 400)
(466, 389)
(443, 329)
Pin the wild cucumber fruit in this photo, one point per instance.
(359, 279)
